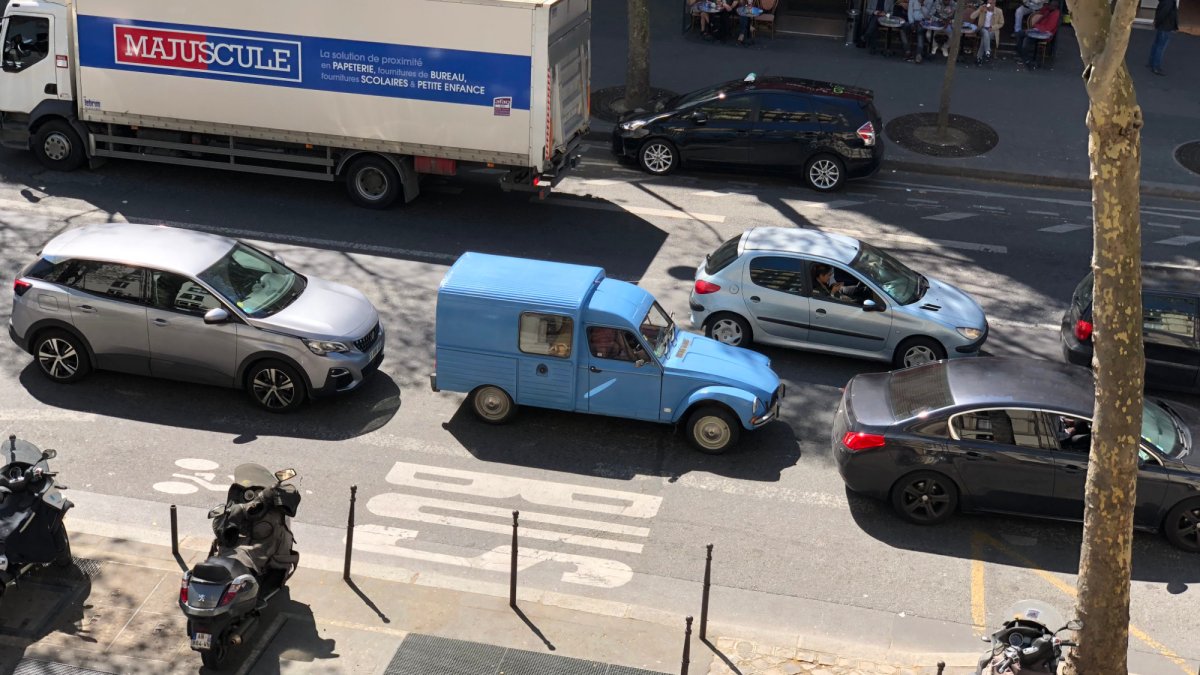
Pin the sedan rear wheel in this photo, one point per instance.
(925, 498)
(1182, 527)
(730, 329)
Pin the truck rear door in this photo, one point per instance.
(570, 73)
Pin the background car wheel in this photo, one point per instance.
(917, 351)
(373, 182)
(713, 430)
(275, 386)
(1182, 526)
(61, 356)
(925, 498)
(58, 146)
(658, 156)
(825, 173)
(730, 329)
(493, 405)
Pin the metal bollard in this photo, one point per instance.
(704, 597)
(174, 532)
(512, 580)
(687, 646)
(350, 533)
(941, 667)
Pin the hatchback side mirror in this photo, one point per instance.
(871, 306)
(699, 117)
(216, 315)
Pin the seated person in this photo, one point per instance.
(878, 8)
(1043, 25)
(1076, 435)
(703, 17)
(824, 284)
(607, 343)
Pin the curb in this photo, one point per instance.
(1148, 189)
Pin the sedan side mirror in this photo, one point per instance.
(216, 315)
(871, 306)
(699, 117)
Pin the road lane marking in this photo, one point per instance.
(1010, 323)
(978, 597)
(1043, 213)
(950, 216)
(1163, 225)
(1066, 227)
(1182, 240)
(715, 193)
(636, 210)
(914, 239)
(810, 204)
(999, 209)
(1071, 592)
(47, 415)
(922, 201)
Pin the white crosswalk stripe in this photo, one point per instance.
(950, 216)
(1182, 240)
(1066, 227)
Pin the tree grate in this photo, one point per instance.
(35, 667)
(430, 655)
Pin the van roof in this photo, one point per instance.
(537, 282)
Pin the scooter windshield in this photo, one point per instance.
(1035, 611)
(253, 475)
(16, 451)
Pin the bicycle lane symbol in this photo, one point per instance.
(202, 473)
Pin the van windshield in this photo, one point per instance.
(658, 331)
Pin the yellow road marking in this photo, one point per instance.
(1069, 590)
(978, 613)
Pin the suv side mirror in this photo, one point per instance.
(216, 315)
(699, 117)
(871, 306)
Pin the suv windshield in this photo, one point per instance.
(257, 283)
(1160, 430)
(658, 330)
(898, 281)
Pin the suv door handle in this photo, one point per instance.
(594, 369)
(87, 309)
(755, 298)
(820, 311)
(973, 455)
(161, 322)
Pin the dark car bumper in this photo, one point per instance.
(865, 167)
(12, 334)
(624, 146)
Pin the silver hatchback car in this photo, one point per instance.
(831, 293)
(184, 305)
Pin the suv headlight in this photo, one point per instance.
(633, 125)
(970, 333)
(323, 347)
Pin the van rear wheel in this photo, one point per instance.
(493, 405)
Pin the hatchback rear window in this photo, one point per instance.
(725, 254)
(916, 390)
(1082, 298)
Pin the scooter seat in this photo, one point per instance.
(219, 570)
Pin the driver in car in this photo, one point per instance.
(825, 284)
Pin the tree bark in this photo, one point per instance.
(943, 119)
(1114, 123)
(637, 73)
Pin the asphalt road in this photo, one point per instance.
(612, 510)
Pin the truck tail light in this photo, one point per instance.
(861, 440)
(705, 287)
(1083, 330)
(20, 286)
(867, 133)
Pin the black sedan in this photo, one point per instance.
(826, 132)
(1005, 435)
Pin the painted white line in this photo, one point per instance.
(1163, 225)
(1067, 227)
(998, 209)
(714, 193)
(922, 201)
(808, 204)
(1182, 240)
(1009, 323)
(913, 239)
(46, 415)
(952, 215)
(1043, 213)
(637, 210)
(1170, 266)
(601, 182)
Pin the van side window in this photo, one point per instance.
(26, 42)
(546, 334)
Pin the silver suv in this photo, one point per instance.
(160, 301)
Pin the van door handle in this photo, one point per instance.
(87, 309)
(594, 369)
(820, 311)
(161, 322)
(755, 298)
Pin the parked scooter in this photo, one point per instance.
(1025, 643)
(31, 512)
(251, 559)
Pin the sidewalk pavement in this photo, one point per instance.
(1039, 115)
(116, 611)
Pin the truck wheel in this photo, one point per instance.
(712, 430)
(493, 405)
(57, 146)
(373, 182)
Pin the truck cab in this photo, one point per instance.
(513, 332)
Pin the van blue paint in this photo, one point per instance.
(481, 301)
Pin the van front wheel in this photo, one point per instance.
(712, 430)
(493, 405)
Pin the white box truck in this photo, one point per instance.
(370, 92)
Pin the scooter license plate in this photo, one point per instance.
(202, 641)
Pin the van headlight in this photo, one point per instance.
(970, 333)
(323, 347)
(633, 125)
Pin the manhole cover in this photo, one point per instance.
(608, 104)
(964, 137)
(1188, 156)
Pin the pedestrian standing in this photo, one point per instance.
(1166, 21)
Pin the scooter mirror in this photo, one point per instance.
(49, 453)
(217, 511)
(986, 638)
(1074, 624)
(285, 474)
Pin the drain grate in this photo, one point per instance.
(33, 667)
(1188, 156)
(430, 655)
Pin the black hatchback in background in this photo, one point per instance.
(826, 132)
(1170, 298)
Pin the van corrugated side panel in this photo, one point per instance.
(463, 370)
(546, 381)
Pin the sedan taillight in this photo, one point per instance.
(705, 287)
(867, 133)
(861, 440)
(1083, 330)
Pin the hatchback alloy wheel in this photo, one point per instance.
(824, 174)
(58, 358)
(658, 157)
(274, 389)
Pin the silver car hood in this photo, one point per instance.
(945, 303)
(325, 311)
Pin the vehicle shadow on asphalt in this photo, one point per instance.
(53, 599)
(620, 449)
(215, 409)
(1020, 542)
(287, 632)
